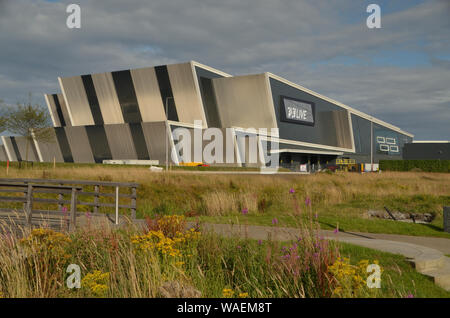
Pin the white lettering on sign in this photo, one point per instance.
(297, 111)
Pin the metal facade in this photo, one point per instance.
(130, 114)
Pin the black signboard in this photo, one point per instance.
(297, 111)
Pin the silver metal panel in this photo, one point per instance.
(187, 98)
(155, 138)
(245, 101)
(107, 98)
(120, 141)
(26, 149)
(76, 101)
(343, 129)
(64, 109)
(52, 110)
(9, 148)
(79, 144)
(3, 156)
(148, 94)
(49, 149)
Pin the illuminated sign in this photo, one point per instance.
(297, 111)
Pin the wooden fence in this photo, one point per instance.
(29, 187)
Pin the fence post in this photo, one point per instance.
(447, 219)
(29, 207)
(73, 209)
(60, 197)
(96, 190)
(133, 203)
(117, 205)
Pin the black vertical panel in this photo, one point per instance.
(59, 110)
(211, 110)
(139, 141)
(16, 149)
(127, 96)
(63, 144)
(99, 143)
(165, 88)
(92, 99)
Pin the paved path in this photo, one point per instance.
(426, 253)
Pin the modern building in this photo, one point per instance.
(132, 114)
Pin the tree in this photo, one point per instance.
(27, 120)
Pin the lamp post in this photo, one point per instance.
(167, 132)
(371, 146)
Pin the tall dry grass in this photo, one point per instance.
(221, 194)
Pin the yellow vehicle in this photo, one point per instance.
(347, 164)
(191, 164)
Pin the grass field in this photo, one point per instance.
(133, 264)
(340, 198)
(399, 277)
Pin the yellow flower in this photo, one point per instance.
(243, 295)
(96, 282)
(227, 293)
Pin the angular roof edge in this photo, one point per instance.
(352, 110)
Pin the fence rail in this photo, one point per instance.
(29, 187)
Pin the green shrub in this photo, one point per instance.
(415, 165)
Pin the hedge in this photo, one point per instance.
(408, 165)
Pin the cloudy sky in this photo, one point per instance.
(399, 73)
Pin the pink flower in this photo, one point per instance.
(244, 211)
(336, 230)
(291, 190)
(275, 221)
(410, 295)
(307, 201)
(259, 242)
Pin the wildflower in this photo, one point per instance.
(336, 230)
(274, 221)
(238, 247)
(259, 242)
(316, 216)
(307, 201)
(96, 283)
(410, 295)
(227, 293)
(244, 211)
(243, 295)
(291, 190)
